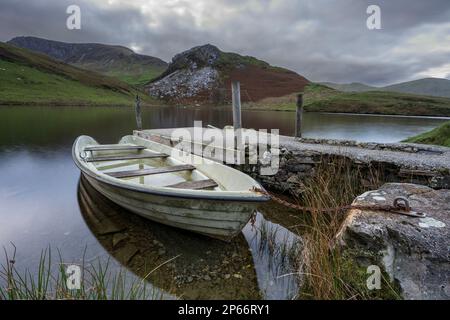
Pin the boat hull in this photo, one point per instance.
(219, 219)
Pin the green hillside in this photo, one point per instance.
(439, 136)
(320, 98)
(31, 78)
(229, 60)
(350, 87)
(380, 102)
(115, 61)
(135, 76)
(134, 73)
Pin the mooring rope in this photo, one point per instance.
(400, 206)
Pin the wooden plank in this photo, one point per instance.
(195, 185)
(150, 171)
(126, 157)
(107, 147)
(116, 165)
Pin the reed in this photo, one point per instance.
(325, 271)
(50, 281)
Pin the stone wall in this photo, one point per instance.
(300, 160)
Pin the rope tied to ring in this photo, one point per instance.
(400, 205)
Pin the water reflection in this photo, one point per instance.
(192, 266)
(43, 127)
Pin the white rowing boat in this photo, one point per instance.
(169, 186)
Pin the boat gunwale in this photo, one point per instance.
(247, 196)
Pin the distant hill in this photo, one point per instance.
(320, 98)
(428, 86)
(27, 77)
(117, 61)
(350, 87)
(204, 74)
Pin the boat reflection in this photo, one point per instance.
(183, 263)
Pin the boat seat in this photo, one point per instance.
(150, 171)
(126, 157)
(195, 185)
(112, 147)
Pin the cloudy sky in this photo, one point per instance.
(324, 40)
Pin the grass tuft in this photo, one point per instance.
(50, 281)
(327, 272)
(439, 136)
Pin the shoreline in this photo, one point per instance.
(442, 117)
(384, 115)
(252, 109)
(83, 105)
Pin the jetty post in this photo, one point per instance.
(138, 112)
(237, 121)
(236, 98)
(299, 116)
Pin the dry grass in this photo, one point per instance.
(328, 274)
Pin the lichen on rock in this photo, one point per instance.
(414, 252)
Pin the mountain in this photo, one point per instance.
(116, 61)
(427, 86)
(27, 77)
(203, 74)
(350, 87)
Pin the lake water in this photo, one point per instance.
(43, 203)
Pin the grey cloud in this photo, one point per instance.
(324, 40)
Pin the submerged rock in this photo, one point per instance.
(414, 252)
(118, 238)
(106, 227)
(126, 253)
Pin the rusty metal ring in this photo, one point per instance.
(401, 203)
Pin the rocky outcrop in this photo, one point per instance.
(203, 75)
(190, 77)
(414, 252)
(185, 83)
(195, 58)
